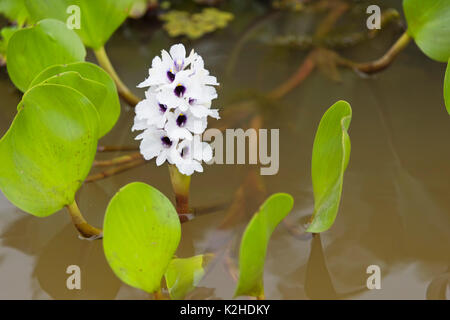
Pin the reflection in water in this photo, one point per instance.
(65, 249)
(439, 287)
(395, 207)
(318, 283)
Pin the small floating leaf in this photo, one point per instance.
(109, 109)
(331, 153)
(34, 49)
(49, 149)
(254, 243)
(429, 25)
(98, 18)
(141, 233)
(183, 275)
(194, 26)
(447, 88)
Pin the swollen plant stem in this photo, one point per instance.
(85, 229)
(106, 64)
(382, 63)
(180, 184)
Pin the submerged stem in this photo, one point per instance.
(382, 63)
(116, 148)
(180, 184)
(118, 160)
(115, 170)
(84, 228)
(305, 69)
(106, 64)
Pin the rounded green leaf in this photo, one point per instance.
(34, 49)
(98, 19)
(254, 243)
(331, 153)
(429, 25)
(447, 88)
(183, 275)
(49, 149)
(141, 233)
(109, 108)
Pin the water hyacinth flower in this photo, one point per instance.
(189, 154)
(174, 113)
(164, 69)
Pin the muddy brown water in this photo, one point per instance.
(395, 210)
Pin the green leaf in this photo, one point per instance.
(183, 275)
(98, 18)
(32, 50)
(447, 88)
(49, 149)
(140, 235)
(5, 34)
(429, 25)
(254, 243)
(109, 109)
(14, 10)
(331, 153)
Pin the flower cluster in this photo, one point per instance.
(175, 110)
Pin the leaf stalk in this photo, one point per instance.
(123, 90)
(85, 229)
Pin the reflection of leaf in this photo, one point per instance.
(14, 10)
(63, 250)
(425, 223)
(429, 25)
(254, 243)
(331, 153)
(109, 108)
(31, 50)
(141, 233)
(99, 18)
(178, 23)
(438, 287)
(447, 88)
(183, 275)
(318, 283)
(48, 150)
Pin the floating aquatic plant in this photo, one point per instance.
(31, 50)
(141, 233)
(98, 21)
(182, 23)
(49, 149)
